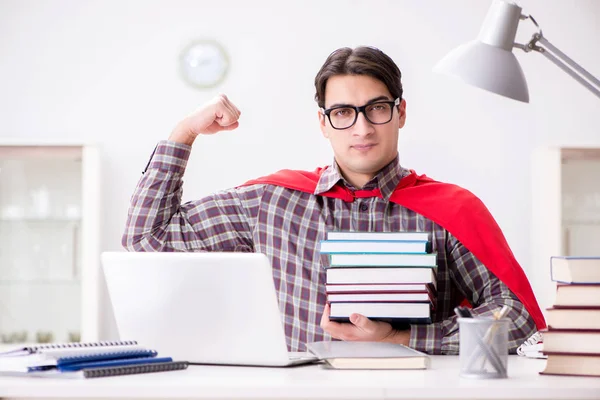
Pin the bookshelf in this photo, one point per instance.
(565, 216)
(49, 231)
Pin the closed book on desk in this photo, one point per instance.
(368, 355)
(559, 317)
(577, 295)
(571, 269)
(575, 341)
(572, 364)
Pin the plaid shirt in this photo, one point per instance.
(287, 226)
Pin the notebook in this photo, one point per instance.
(54, 360)
(111, 371)
(73, 348)
(207, 308)
(368, 355)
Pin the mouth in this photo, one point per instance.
(363, 147)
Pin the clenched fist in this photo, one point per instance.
(220, 114)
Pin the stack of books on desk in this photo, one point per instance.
(572, 340)
(85, 360)
(384, 276)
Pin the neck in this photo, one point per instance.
(357, 180)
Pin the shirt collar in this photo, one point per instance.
(386, 180)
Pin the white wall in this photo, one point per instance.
(106, 72)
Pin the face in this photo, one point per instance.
(365, 148)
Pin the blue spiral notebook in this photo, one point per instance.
(85, 360)
(71, 355)
(103, 364)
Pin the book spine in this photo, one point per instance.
(135, 369)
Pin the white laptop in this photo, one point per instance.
(207, 308)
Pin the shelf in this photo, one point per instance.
(40, 282)
(34, 219)
(581, 222)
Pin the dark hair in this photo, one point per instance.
(359, 61)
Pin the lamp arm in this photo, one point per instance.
(560, 59)
(565, 67)
(569, 61)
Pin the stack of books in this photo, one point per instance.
(386, 276)
(85, 360)
(572, 340)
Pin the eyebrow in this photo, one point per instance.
(373, 100)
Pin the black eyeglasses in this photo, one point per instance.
(377, 113)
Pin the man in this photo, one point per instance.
(285, 215)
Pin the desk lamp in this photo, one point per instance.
(488, 61)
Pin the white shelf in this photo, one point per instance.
(40, 282)
(565, 211)
(587, 222)
(49, 224)
(35, 219)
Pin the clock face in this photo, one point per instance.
(204, 64)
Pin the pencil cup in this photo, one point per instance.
(483, 351)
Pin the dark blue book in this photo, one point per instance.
(113, 363)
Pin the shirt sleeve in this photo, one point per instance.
(158, 221)
(485, 292)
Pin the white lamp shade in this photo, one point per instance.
(487, 67)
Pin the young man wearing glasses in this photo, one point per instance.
(285, 215)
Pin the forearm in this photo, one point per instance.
(443, 337)
(155, 208)
(157, 221)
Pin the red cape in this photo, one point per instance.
(463, 214)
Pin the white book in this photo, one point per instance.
(357, 235)
(379, 288)
(412, 311)
(388, 260)
(380, 275)
(373, 246)
(368, 355)
(377, 297)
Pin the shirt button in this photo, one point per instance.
(364, 207)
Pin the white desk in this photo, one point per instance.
(441, 381)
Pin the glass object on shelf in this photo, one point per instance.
(74, 336)
(41, 191)
(44, 337)
(14, 337)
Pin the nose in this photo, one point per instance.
(362, 127)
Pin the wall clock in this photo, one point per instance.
(204, 64)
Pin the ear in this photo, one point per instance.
(402, 114)
(322, 124)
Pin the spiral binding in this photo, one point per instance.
(107, 356)
(135, 369)
(74, 345)
(536, 338)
